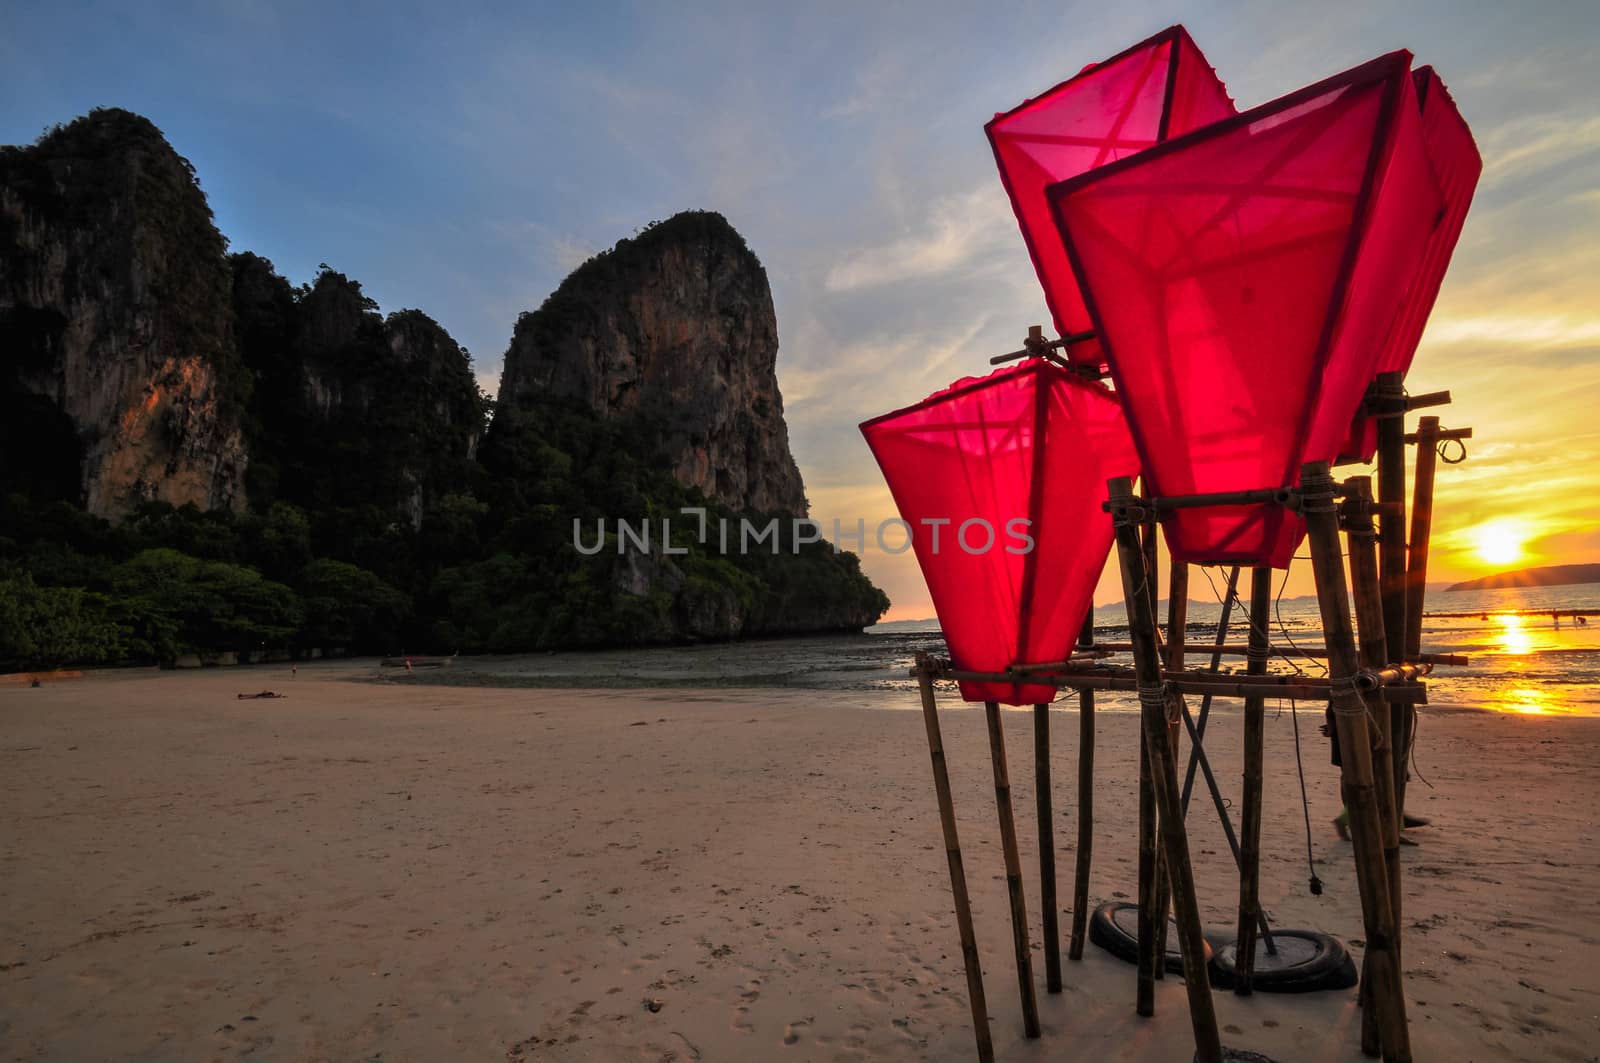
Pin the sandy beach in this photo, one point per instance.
(391, 871)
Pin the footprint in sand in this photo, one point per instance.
(794, 1031)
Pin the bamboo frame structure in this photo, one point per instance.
(1080, 876)
(1047, 848)
(1373, 648)
(1013, 861)
(1353, 721)
(1254, 756)
(1364, 675)
(958, 876)
(1393, 574)
(1177, 625)
(1155, 710)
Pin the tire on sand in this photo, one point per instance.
(1308, 961)
(1115, 928)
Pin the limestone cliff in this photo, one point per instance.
(674, 327)
(115, 328)
(353, 409)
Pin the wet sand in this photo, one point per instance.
(395, 871)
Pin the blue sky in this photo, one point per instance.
(463, 161)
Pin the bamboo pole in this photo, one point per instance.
(1154, 706)
(1047, 848)
(1235, 649)
(1250, 817)
(1177, 625)
(1392, 548)
(1216, 650)
(1008, 845)
(1352, 721)
(1416, 584)
(958, 876)
(1145, 974)
(1080, 877)
(1373, 642)
(1390, 684)
(1222, 816)
(1151, 964)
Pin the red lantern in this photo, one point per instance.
(1457, 165)
(1000, 480)
(1244, 280)
(1159, 88)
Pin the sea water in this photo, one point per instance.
(1518, 663)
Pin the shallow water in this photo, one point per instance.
(1522, 664)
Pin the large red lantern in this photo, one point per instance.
(1159, 88)
(1000, 481)
(1457, 165)
(1244, 280)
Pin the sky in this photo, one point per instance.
(463, 158)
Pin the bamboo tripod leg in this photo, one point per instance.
(1145, 978)
(1416, 583)
(1047, 848)
(1392, 554)
(1205, 702)
(1351, 718)
(1155, 713)
(1373, 648)
(1250, 819)
(958, 876)
(1177, 627)
(1222, 816)
(1152, 958)
(1080, 877)
(1008, 843)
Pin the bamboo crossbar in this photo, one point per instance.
(1454, 434)
(1485, 615)
(1295, 688)
(1239, 649)
(1036, 344)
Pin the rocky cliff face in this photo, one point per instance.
(115, 326)
(676, 328)
(355, 409)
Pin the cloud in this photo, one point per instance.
(1535, 144)
(959, 232)
(1521, 329)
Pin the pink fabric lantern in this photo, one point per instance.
(1244, 280)
(1159, 88)
(1001, 481)
(1457, 165)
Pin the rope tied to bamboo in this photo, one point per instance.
(1155, 697)
(1340, 685)
(1317, 497)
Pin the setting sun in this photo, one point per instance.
(1500, 542)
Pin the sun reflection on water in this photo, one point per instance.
(1530, 701)
(1513, 635)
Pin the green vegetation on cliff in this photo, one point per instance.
(318, 477)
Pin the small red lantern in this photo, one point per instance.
(1000, 481)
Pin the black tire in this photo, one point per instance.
(1308, 961)
(1115, 928)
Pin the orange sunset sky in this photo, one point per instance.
(1515, 335)
(466, 165)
